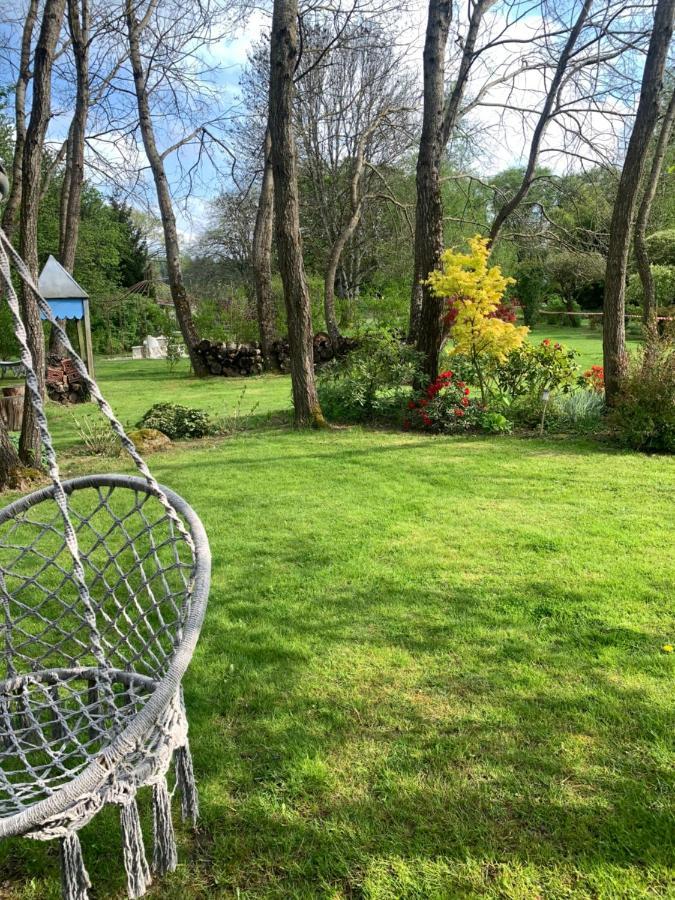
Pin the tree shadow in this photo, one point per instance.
(339, 721)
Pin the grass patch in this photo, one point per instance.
(431, 667)
(585, 340)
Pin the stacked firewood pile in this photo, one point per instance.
(231, 359)
(323, 350)
(64, 382)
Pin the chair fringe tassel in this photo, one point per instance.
(185, 779)
(135, 862)
(74, 878)
(165, 855)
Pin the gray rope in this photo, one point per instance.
(185, 781)
(7, 251)
(74, 878)
(165, 857)
(52, 464)
(135, 862)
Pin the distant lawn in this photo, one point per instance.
(133, 386)
(431, 667)
(587, 341)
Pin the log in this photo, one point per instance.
(231, 359)
(236, 360)
(323, 350)
(11, 407)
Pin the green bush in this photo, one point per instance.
(444, 406)
(661, 247)
(230, 317)
(9, 346)
(494, 423)
(664, 285)
(385, 303)
(119, 323)
(578, 276)
(530, 290)
(644, 417)
(533, 368)
(177, 421)
(372, 383)
(556, 304)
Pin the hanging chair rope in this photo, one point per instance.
(75, 736)
(8, 252)
(60, 498)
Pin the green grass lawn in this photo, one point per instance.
(431, 667)
(586, 341)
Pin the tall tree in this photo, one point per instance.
(429, 207)
(261, 256)
(9, 460)
(33, 151)
(614, 330)
(79, 23)
(439, 119)
(548, 109)
(9, 216)
(135, 29)
(354, 99)
(283, 61)
(639, 239)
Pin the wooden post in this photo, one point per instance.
(82, 340)
(89, 347)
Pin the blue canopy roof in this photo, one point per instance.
(61, 291)
(66, 309)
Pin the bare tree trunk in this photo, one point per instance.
(331, 273)
(639, 243)
(545, 116)
(73, 181)
(425, 309)
(9, 459)
(9, 215)
(65, 188)
(78, 22)
(56, 346)
(179, 295)
(438, 123)
(261, 254)
(614, 333)
(52, 18)
(283, 60)
(348, 229)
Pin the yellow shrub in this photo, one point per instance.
(474, 292)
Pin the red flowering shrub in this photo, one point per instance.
(594, 379)
(506, 311)
(444, 405)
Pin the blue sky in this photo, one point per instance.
(505, 144)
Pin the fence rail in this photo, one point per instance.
(598, 315)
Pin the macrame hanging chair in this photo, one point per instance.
(103, 586)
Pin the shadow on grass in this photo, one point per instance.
(327, 739)
(342, 726)
(561, 769)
